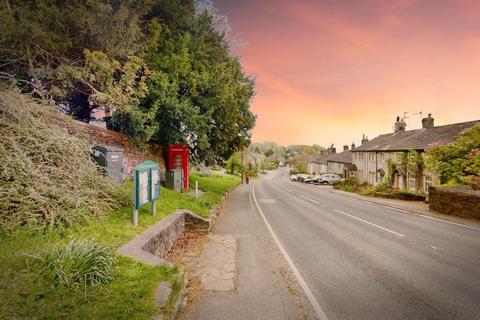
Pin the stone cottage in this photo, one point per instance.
(383, 158)
(341, 163)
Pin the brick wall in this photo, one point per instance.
(461, 201)
(132, 154)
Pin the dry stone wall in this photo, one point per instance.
(461, 201)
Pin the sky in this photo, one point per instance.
(329, 71)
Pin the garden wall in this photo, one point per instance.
(132, 155)
(460, 201)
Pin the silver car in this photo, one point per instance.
(329, 178)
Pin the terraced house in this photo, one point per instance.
(398, 157)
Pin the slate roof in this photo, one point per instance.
(343, 157)
(321, 159)
(419, 139)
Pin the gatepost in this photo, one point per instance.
(146, 183)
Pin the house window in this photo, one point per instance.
(412, 182)
(428, 182)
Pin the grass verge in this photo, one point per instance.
(130, 295)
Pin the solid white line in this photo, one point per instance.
(395, 209)
(308, 199)
(372, 224)
(301, 281)
(446, 221)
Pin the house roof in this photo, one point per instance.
(419, 139)
(321, 159)
(343, 157)
(276, 157)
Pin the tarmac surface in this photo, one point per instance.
(306, 252)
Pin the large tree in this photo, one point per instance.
(163, 69)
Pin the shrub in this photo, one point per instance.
(383, 187)
(47, 178)
(350, 185)
(79, 262)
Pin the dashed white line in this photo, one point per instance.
(301, 281)
(309, 199)
(372, 224)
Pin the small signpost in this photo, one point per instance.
(146, 182)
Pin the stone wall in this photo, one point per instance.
(460, 201)
(155, 242)
(132, 154)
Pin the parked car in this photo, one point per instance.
(328, 178)
(312, 180)
(293, 177)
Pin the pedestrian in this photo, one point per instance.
(247, 176)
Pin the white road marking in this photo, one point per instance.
(309, 199)
(267, 200)
(301, 281)
(446, 221)
(417, 214)
(370, 223)
(392, 208)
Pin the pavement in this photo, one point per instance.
(241, 253)
(305, 252)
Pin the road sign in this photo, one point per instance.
(146, 181)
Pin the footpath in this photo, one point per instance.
(242, 272)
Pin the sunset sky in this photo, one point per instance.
(329, 71)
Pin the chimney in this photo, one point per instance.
(427, 123)
(353, 146)
(345, 147)
(400, 125)
(364, 139)
(332, 149)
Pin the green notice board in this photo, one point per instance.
(146, 183)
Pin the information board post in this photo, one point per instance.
(146, 180)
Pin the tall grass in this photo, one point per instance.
(79, 262)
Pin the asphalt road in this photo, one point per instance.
(361, 260)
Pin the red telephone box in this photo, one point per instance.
(178, 156)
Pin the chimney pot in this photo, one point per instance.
(345, 147)
(353, 145)
(428, 123)
(400, 125)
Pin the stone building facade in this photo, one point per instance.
(383, 158)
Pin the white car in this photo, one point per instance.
(293, 177)
(329, 178)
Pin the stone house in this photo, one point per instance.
(341, 163)
(383, 158)
(317, 164)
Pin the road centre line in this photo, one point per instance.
(309, 199)
(301, 281)
(370, 223)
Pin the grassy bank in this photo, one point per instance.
(131, 295)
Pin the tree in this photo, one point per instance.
(162, 69)
(455, 161)
(269, 153)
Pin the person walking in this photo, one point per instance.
(247, 177)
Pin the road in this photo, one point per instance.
(361, 260)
